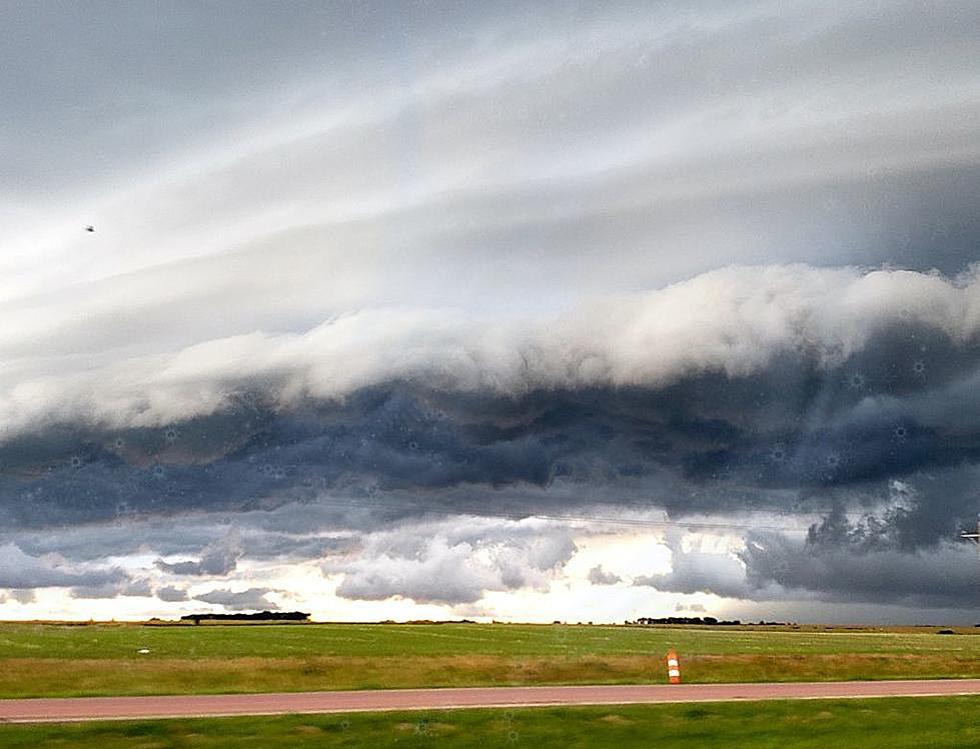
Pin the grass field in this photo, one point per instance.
(50, 660)
(278, 641)
(895, 723)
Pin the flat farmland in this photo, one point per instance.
(104, 659)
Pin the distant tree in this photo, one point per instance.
(270, 616)
(697, 620)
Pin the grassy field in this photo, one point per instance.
(895, 723)
(279, 641)
(49, 660)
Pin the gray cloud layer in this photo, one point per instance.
(774, 567)
(219, 558)
(796, 390)
(502, 261)
(599, 576)
(20, 570)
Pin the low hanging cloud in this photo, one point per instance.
(599, 576)
(454, 561)
(217, 559)
(171, 594)
(774, 566)
(20, 570)
(696, 607)
(941, 577)
(253, 599)
(135, 588)
(699, 571)
(20, 596)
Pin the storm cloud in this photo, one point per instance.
(794, 383)
(809, 390)
(407, 299)
(774, 567)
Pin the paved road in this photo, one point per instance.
(184, 706)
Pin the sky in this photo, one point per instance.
(575, 311)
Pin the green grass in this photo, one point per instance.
(48, 660)
(374, 640)
(896, 723)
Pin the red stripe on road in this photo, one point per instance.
(214, 705)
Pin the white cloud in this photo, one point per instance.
(251, 599)
(733, 321)
(454, 561)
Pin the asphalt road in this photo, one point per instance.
(186, 706)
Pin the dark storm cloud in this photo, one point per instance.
(839, 560)
(794, 421)
(290, 532)
(942, 576)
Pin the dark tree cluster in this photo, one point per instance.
(709, 620)
(272, 616)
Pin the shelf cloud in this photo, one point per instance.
(416, 304)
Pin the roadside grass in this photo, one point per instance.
(49, 660)
(896, 723)
(61, 678)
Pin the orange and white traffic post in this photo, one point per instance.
(673, 668)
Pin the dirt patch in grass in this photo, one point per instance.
(615, 720)
(308, 730)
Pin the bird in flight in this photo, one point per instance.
(89, 228)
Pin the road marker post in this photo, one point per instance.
(673, 668)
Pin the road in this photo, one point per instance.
(186, 706)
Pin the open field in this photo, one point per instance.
(277, 641)
(51, 660)
(893, 722)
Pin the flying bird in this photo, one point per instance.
(89, 228)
